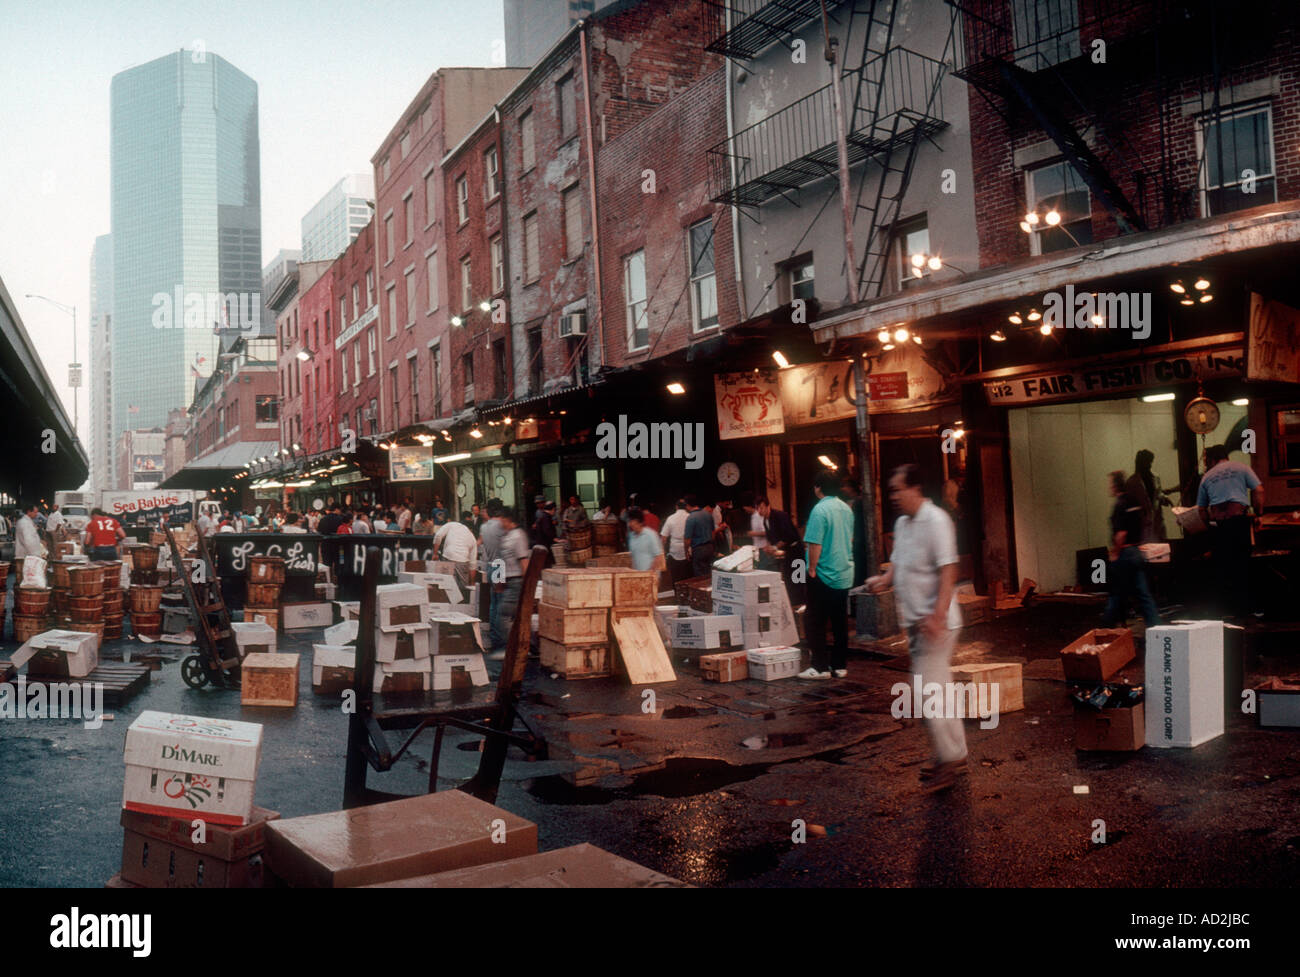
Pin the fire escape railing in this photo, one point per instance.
(796, 145)
(754, 23)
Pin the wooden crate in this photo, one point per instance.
(974, 608)
(572, 626)
(263, 594)
(1097, 655)
(1007, 676)
(726, 666)
(642, 649)
(612, 560)
(263, 615)
(269, 680)
(635, 588)
(576, 661)
(572, 587)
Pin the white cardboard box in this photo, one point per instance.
(349, 610)
(311, 614)
(79, 649)
(764, 626)
(716, 632)
(770, 664)
(420, 666)
(665, 613)
(752, 587)
(331, 656)
(341, 633)
(440, 587)
(444, 665)
(1184, 684)
(453, 632)
(741, 560)
(253, 637)
(387, 643)
(191, 767)
(399, 605)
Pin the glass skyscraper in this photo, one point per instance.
(186, 227)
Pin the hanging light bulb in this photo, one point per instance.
(887, 346)
(1024, 226)
(935, 263)
(918, 260)
(901, 334)
(1201, 284)
(916, 339)
(1206, 297)
(883, 335)
(1031, 218)
(1045, 328)
(1034, 315)
(1187, 301)
(1015, 319)
(1177, 287)
(1052, 218)
(918, 273)
(998, 336)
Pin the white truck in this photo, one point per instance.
(147, 506)
(75, 507)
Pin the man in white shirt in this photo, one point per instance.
(207, 525)
(27, 539)
(455, 542)
(514, 554)
(674, 535)
(404, 517)
(54, 521)
(923, 574)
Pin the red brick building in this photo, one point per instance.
(290, 342)
(317, 312)
(356, 342)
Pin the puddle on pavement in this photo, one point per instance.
(679, 777)
(688, 712)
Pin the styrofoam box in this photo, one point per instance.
(742, 560)
(349, 610)
(253, 634)
(386, 643)
(79, 648)
(764, 626)
(752, 587)
(664, 613)
(418, 665)
(443, 639)
(399, 605)
(310, 614)
(331, 656)
(444, 665)
(706, 633)
(1184, 684)
(341, 633)
(191, 767)
(770, 664)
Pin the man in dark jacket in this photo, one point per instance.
(1126, 574)
(784, 546)
(544, 530)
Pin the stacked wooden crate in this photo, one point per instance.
(573, 621)
(265, 581)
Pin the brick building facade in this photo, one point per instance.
(356, 343)
(317, 311)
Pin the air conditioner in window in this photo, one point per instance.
(573, 324)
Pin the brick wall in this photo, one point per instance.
(317, 317)
(349, 272)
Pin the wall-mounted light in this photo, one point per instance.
(828, 463)
(1045, 329)
(676, 388)
(998, 336)
(1241, 402)
(457, 321)
(475, 433)
(305, 355)
(1156, 398)
(780, 359)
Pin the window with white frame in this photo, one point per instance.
(532, 248)
(372, 349)
(462, 199)
(431, 268)
(355, 299)
(397, 396)
(566, 110)
(370, 289)
(634, 292)
(430, 196)
(466, 286)
(388, 239)
(404, 144)
(356, 365)
(1237, 167)
(498, 265)
(410, 298)
(343, 372)
(408, 206)
(343, 314)
(1058, 188)
(435, 374)
(572, 222)
(392, 310)
(704, 281)
(491, 170)
(413, 368)
(527, 142)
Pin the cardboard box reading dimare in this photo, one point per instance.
(396, 840)
(1184, 684)
(191, 767)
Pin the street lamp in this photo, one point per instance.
(72, 310)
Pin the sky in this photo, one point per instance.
(332, 80)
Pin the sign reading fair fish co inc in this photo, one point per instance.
(1080, 383)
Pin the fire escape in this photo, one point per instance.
(892, 102)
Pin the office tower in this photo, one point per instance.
(337, 218)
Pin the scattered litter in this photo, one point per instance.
(555, 674)
(566, 695)
(1031, 722)
(754, 742)
(1081, 788)
(145, 638)
(816, 831)
(184, 638)
(108, 716)
(785, 801)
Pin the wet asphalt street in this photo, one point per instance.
(709, 787)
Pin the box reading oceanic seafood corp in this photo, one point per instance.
(191, 767)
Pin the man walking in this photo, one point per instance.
(27, 538)
(643, 542)
(674, 531)
(923, 574)
(455, 543)
(514, 554)
(490, 545)
(829, 541)
(1127, 572)
(1227, 487)
(698, 535)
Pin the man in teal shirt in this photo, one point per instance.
(829, 542)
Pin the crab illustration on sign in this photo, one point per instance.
(749, 404)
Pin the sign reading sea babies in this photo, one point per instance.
(749, 404)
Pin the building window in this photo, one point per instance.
(356, 365)
(1046, 32)
(1237, 140)
(372, 348)
(413, 367)
(572, 222)
(408, 206)
(491, 170)
(431, 267)
(498, 265)
(467, 366)
(532, 247)
(392, 311)
(355, 300)
(566, 107)
(410, 298)
(462, 199)
(638, 325)
(912, 238)
(383, 170)
(466, 289)
(1058, 187)
(397, 401)
(499, 369)
(435, 371)
(374, 415)
(327, 327)
(388, 239)
(797, 279)
(268, 409)
(704, 283)
(343, 314)
(343, 372)
(430, 196)
(535, 361)
(370, 289)
(527, 141)
(404, 144)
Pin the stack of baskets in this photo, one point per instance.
(114, 600)
(86, 603)
(578, 548)
(605, 533)
(265, 580)
(145, 594)
(31, 612)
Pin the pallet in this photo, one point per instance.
(121, 680)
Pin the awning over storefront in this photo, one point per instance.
(522, 403)
(1260, 227)
(218, 467)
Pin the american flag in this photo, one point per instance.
(132, 409)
